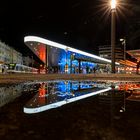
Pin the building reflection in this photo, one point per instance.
(42, 92)
(132, 90)
(54, 94)
(111, 104)
(129, 86)
(8, 94)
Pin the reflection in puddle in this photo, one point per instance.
(52, 95)
(133, 89)
(101, 116)
(55, 94)
(10, 93)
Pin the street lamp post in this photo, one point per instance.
(113, 30)
(32, 61)
(123, 40)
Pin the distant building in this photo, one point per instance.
(105, 52)
(9, 55)
(27, 61)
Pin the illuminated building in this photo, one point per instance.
(9, 55)
(61, 93)
(105, 52)
(64, 59)
(135, 54)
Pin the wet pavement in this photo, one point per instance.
(20, 78)
(100, 117)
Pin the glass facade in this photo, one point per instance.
(63, 61)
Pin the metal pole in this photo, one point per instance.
(125, 55)
(113, 40)
(47, 57)
(32, 61)
(12, 56)
(124, 49)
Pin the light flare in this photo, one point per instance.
(113, 4)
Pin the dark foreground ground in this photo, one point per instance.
(87, 119)
(83, 120)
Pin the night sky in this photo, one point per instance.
(82, 24)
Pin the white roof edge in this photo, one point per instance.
(61, 46)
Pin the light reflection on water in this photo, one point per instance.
(53, 94)
(8, 94)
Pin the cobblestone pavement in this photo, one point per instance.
(18, 78)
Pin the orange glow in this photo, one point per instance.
(42, 52)
(128, 86)
(42, 93)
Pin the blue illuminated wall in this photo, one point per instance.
(61, 58)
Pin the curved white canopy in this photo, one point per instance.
(61, 46)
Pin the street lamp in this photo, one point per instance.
(124, 49)
(113, 11)
(113, 4)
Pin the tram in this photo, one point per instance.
(19, 68)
